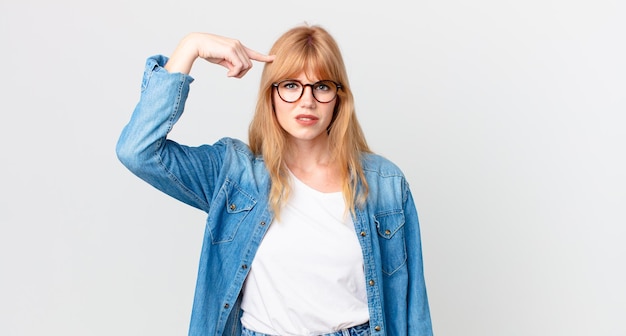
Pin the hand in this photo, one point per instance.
(227, 52)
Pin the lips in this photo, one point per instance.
(306, 119)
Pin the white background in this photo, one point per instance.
(507, 117)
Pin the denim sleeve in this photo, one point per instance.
(185, 173)
(419, 321)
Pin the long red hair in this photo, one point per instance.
(313, 50)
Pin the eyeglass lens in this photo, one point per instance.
(291, 90)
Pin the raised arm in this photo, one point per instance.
(183, 172)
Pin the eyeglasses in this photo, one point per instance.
(291, 90)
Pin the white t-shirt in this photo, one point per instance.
(307, 276)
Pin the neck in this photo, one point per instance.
(308, 155)
(313, 165)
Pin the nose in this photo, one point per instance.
(307, 98)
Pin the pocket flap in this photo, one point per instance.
(388, 223)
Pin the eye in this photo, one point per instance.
(290, 85)
(324, 86)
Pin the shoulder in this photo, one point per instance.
(235, 147)
(237, 159)
(386, 184)
(379, 165)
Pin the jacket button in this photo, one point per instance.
(387, 232)
(372, 282)
(233, 206)
(377, 328)
(262, 223)
(244, 266)
(363, 234)
(226, 306)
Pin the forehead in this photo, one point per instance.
(305, 65)
(305, 77)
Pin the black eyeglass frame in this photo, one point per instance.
(337, 85)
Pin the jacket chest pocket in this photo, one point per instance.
(230, 208)
(390, 228)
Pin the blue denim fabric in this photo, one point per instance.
(360, 330)
(231, 185)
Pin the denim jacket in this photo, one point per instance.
(231, 184)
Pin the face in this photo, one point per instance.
(306, 119)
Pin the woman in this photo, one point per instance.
(307, 232)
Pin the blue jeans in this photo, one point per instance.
(360, 330)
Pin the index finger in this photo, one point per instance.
(257, 56)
